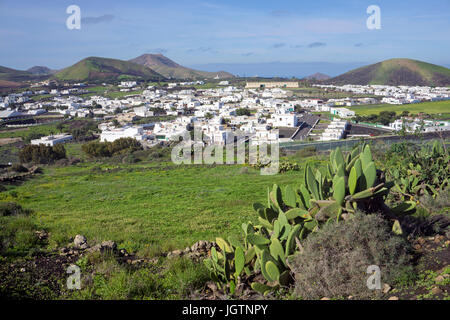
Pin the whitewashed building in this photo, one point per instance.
(112, 135)
(52, 140)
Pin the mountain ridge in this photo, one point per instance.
(97, 68)
(173, 70)
(41, 70)
(397, 71)
(318, 76)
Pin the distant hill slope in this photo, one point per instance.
(41, 70)
(10, 84)
(95, 68)
(171, 69)
(8, 74)
(318, 76)
(396, 72)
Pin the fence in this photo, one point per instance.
(350, 143)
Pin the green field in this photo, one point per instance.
(145, 204)
(439, 107)
(319, 93)
(45, 129)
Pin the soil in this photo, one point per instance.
(44, 276)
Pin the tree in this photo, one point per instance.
(42, 154)
(243, 112)
(108, 149)
(60, 127)
(208, 115)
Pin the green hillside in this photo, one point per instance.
(396, 72)
(8, 74)
(94, 68)
(173, 70)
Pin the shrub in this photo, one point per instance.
(349, 184)
(42, 154)
(334, 260)
(12, 209)
(17, 233)
(306, 152)
(33, 136)
(418, 170)
(175, 279)
(83, 130)
(243, 112)
(129, 159)
(440, 203)
(108, 149)
(17, 167)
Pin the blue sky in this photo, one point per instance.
(227, 32)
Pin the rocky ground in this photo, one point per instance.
(44, 276)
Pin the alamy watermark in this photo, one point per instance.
(232, 151)
(74, 280)
(374, 21)
(374, 281)
(74, 20)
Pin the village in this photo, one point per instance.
(266, 112)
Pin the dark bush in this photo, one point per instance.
(33, 136)
(129, 159)
(17, 167)
(12, 209)
(334, 260)
(243, 112)
(83, 130)
(108, 149)
(42, 154)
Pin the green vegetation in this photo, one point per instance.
(17, 230)
(384, 118)
(432, 108)
(319, 93)
(94, 68)
(243, 112)
(9, 74)
(171, 279)
(108, 149)
(29, 133)
(371, 243)
(346, 186)
(149, 206)
(418, 170)
(172, 70)
(397, 72)
(42, 154)
(130, 203)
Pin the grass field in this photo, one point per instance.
(45, 129)
(319, 93)
(439, 107)
(145, 204)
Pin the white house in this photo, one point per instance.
(342, 112)
(52, 140)
(284, 120)
(143, 112)
(111, 135)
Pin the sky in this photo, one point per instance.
(239, 34)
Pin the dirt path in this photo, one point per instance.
(6, 141)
